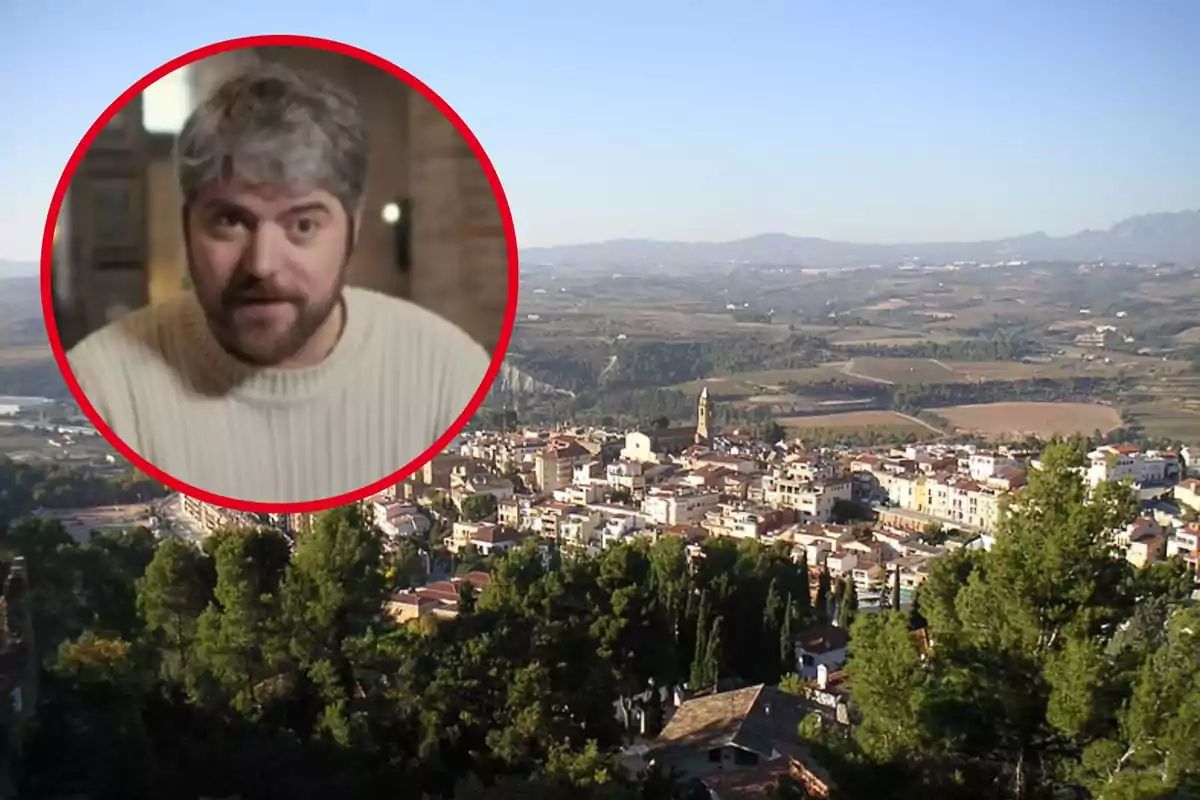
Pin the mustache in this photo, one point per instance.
(239, 293)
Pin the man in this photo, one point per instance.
(271, 381)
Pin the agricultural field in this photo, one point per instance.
(1016, 420)
(901, 370)
(979, 371)
(859, 421)
(748, 384)
(1166, 420)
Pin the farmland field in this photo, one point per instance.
(902, 370)
(974, 371)
(745, 384)
(1167, 421)
(999, 420)
(857, 420)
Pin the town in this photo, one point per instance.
(861, 515)
(866, 524)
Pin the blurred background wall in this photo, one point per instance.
(119, 244)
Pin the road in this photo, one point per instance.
(848, 369)
(170, 511)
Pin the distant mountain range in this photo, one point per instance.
(17, 269)
(1150, 238)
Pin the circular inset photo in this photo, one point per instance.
(279, 274)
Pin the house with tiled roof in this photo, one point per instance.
(740, 743)
(438, 599)
(821, 645)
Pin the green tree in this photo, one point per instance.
(333, 592)
(714, 655)
(701, 674)
(848, 604)
(1153, 752)
(787, 642)
(175, 590)
(478, 507)
(235, 634)
(774, 610)
(889, 686)
(802, 594)
(822, 602)
(1023, 678)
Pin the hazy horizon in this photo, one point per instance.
(34, 263)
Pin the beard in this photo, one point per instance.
(263, 324)
(260, 322)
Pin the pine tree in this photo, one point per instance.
(171, 596)
(896, 591)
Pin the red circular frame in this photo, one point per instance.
(48, 250)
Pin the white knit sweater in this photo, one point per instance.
(394, 383)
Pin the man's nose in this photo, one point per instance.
(262, 258)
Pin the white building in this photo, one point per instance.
(986, 465)
(678, 506)
(820, 645)
(1116, 463)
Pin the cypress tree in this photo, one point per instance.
(848, 605)
(699, 658)
(804, 599)
(787, 642)
(822, 608)
(714, 656)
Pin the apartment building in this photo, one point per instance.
(1187, 494)
(678, 506)
(1125, 462)
(812, 500)
(554, 465)
(742, 520)
(628, 476)
(984, 465)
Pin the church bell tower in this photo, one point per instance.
(703, 408)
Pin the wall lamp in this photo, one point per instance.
(397, 215)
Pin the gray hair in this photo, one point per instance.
(276, 126)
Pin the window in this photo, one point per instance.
(714, 755)
(114, 216)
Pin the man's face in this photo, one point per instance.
(267, 266)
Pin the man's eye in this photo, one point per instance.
(226, 219)
(304, 226)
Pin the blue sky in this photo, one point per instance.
(869, 121)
